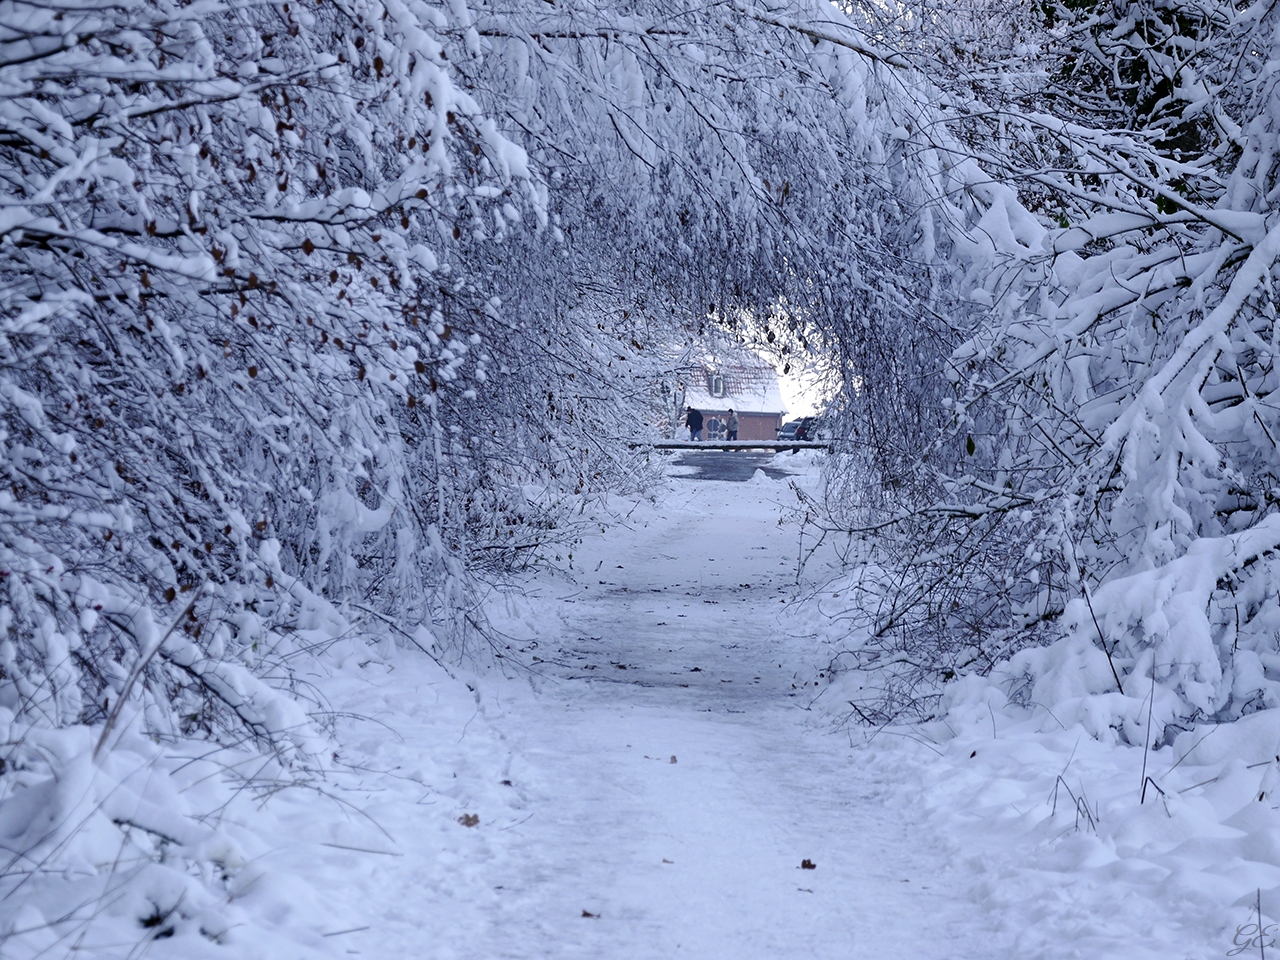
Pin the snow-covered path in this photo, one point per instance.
(656, 789)
(702, 856)
(657, 797)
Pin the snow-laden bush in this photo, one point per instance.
(232, 347)
(1108, 475)
(255, 399)
(1134, 376)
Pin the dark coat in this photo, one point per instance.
(694, 419)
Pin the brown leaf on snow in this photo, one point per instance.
(469, 820)
(588, 913)
(807, 864)
(673, 758)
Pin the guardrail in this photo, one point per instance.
(778, 445)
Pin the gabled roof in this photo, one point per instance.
(749, 387)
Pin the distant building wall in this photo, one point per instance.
(751, 426)
(759, 426)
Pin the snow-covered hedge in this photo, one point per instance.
(1100, 475)
(233, 347)
(252, 402)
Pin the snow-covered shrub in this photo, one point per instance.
(1109, 472)
(1136, 377)
(251, 383)
(232, 343)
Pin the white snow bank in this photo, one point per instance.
(1070, 856)
(169, 845)
(798, 460)
(151, 849)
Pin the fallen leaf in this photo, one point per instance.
(469, 820)
(665, 860)
(807, 864)
(588, 913)
(673, 758)
(506, 783)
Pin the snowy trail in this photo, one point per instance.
(753, 791)
(673, 648)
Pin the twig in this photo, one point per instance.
(1146, 747)
(343, 846)
(138, 667)
(338, 933)
(1084, 588)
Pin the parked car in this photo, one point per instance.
(801, 429)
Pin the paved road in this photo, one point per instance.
(732, 465)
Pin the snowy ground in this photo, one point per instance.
(653, 793)
(654, 789)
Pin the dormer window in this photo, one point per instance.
(717, 385)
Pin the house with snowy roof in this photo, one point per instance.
(745, 384)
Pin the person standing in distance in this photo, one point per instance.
(731, 426)
(694, 420)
